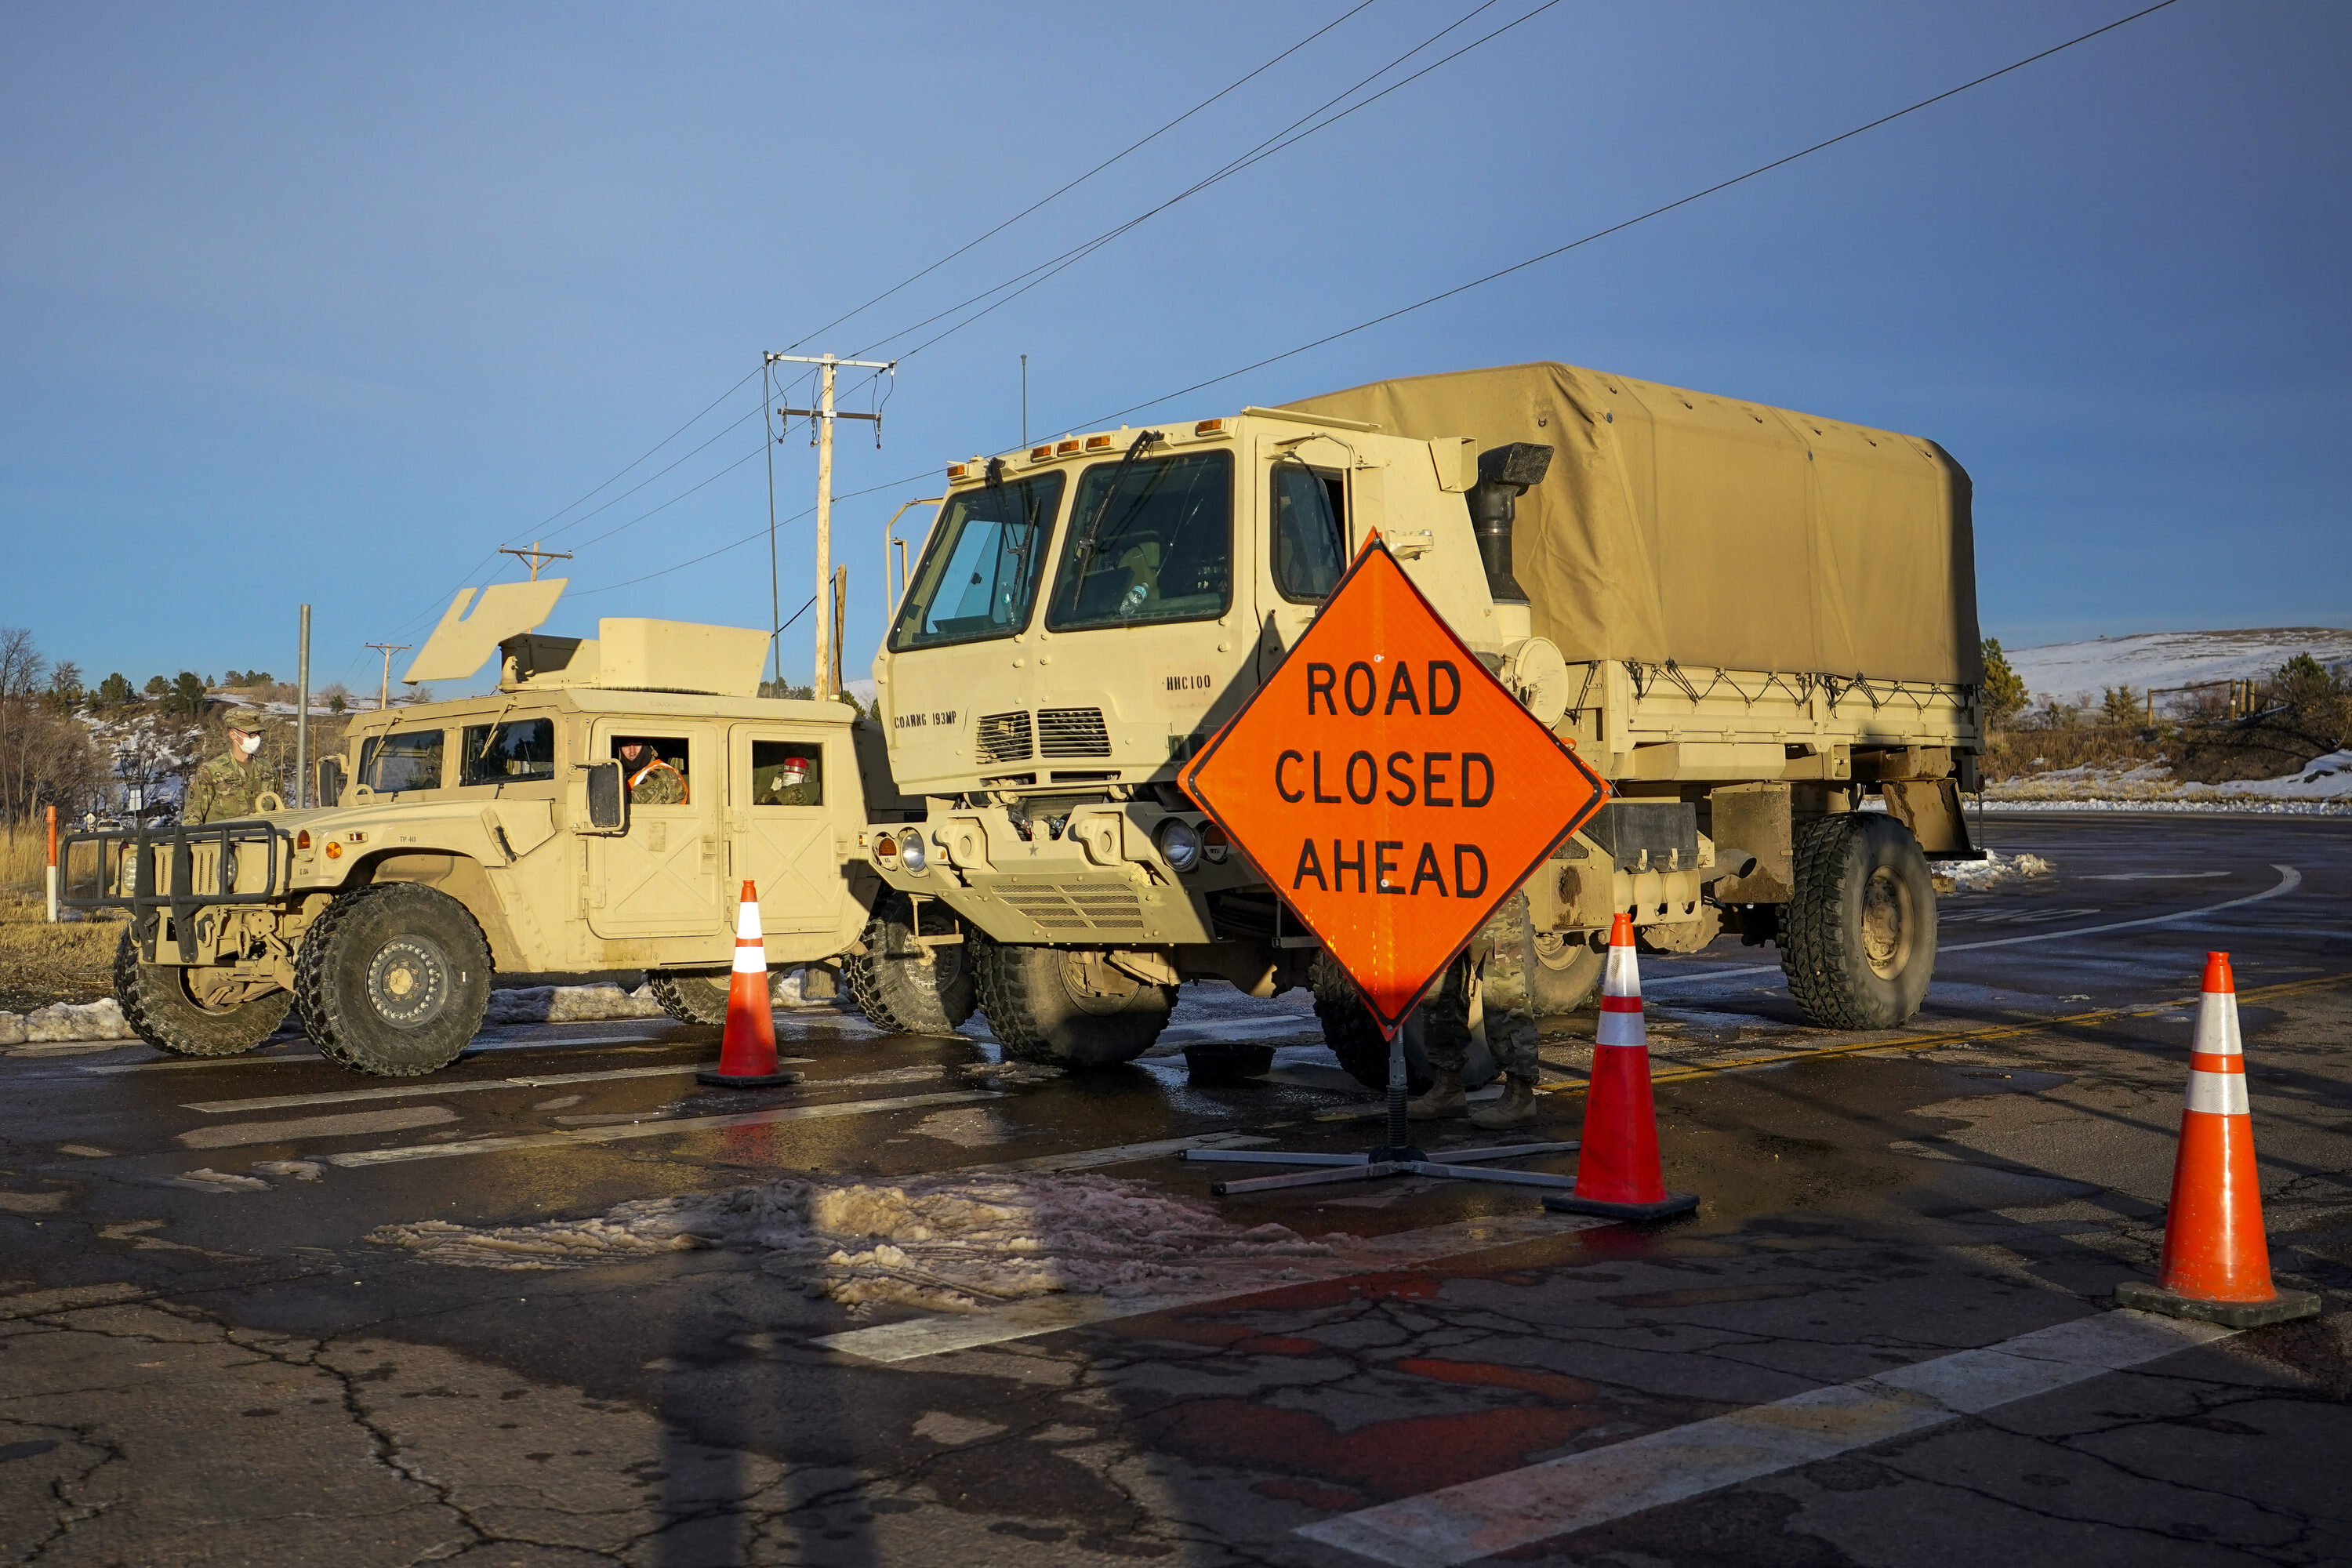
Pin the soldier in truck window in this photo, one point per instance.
(652, 781)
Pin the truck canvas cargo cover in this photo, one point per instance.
(1711, 532)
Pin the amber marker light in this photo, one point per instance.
(334, 850)
(1044, 451)
(1066, 446)
(302, 839)
(1096, 443)
(1208, 427)
(958, 470)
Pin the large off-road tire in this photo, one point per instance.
(1858, 939)
(903, 986)
(1065, 1007)
(692, 998)
(160, 1009)
(1567, 972)
(1355, 1039)
(393, 980)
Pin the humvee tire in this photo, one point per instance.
(903, 987)
(1858, 939)
(692, 998)
(1065, 1007)
(1567, 972)
(157, 1005)
(393, 980)
(1355, 1039)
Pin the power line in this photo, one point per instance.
(1277, 143)
(648, 452)
(1082, 179)
(1619, 228)
(760, 532)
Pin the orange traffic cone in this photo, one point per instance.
(747, 1053)
(2217, 1262)
(1617, 1171)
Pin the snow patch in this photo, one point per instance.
(2082, 671)
(570, 1005)
(957, 1244)
(99, 1020)
(1976, 875)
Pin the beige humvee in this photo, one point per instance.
(500, 833)
(1751, 621)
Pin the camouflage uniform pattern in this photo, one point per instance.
(657, 784)
(770, 789)
(226, 786)
(1500, 954)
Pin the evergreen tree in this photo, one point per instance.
(2005, 696)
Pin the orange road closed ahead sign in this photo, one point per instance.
(1389, 787)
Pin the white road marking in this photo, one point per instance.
(2151, 876)
(672, 1128)
(1121, 1155)
(2289, 880)
(633, 1042)
(1216, 1032)
(1515, 1508)
(920, 1337)
(237, 1134)
(400, 1092)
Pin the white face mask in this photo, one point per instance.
(249, 746)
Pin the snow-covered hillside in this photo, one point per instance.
(2082, 671)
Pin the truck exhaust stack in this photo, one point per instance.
(1505, 474)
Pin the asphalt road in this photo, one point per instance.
(1884, 1337)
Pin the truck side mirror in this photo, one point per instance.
(608, 798)
(330, 782)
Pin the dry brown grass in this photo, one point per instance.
(22, 861)
(40, 963)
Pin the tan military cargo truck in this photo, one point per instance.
(1760, 626)
(599, 812)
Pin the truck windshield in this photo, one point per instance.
(406, 761)
(1161, 550)
(979, 578)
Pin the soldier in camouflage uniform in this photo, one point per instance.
(1500, 956)
(227, 785)
(652, 781)
(793, 782)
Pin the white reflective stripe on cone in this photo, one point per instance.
(747, 921)
(1623, 975)
(2217, 1024)
(2218, 1093)
(1622, 1029)
(750, 958)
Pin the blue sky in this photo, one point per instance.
(324, 302)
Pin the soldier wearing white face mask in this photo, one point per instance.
(229, 784)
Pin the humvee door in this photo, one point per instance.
(782, 781)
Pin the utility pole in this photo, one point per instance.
(534, 557)
(825, 415)
(384, 701)
(302, 716)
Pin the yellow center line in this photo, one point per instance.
(1965, 1036)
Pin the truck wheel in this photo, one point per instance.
(1355, 1039)
(1567, 972)
(1858, 940)
(161, 1009)
(692, 998)
(393, 980)
(906, 988)
(1065, 1007)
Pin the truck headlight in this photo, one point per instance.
(1179, 842)
(912, 853)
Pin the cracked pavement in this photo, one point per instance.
(199, 1370)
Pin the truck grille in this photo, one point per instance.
(1002, 737)
(1072, 732)
(1076, 908)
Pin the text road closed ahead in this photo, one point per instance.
(1391, 788)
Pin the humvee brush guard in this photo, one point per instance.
(1760, 626)
(599, 812)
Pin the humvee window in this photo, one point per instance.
(408, 760)
(787, 772)
(979, 578)
(1159, 547)
(508, 753)
(655, 767)
(1310, 543)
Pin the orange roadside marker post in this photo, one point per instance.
(747, 1052)
(2216, 1263)
(1618, 1173)
(1393, 793)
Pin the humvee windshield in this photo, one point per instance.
(410, 759)
(979, 578)
(1149, 541)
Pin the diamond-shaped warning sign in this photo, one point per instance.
(1391, 790)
